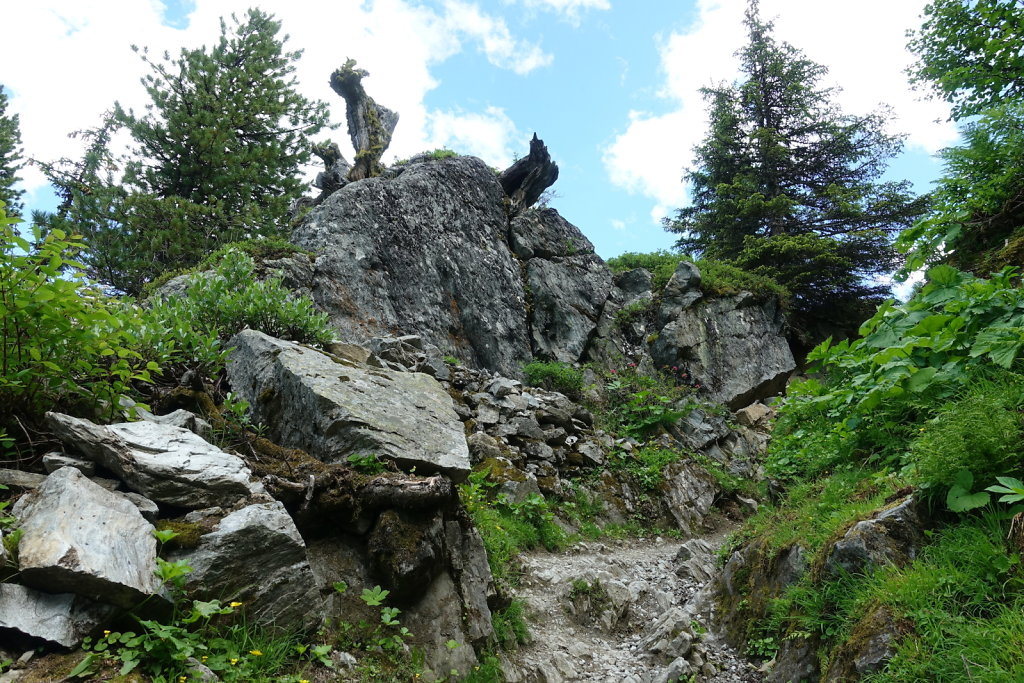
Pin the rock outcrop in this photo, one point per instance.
(332, 408)
(443, 249)
(423, 253)
(78, 537)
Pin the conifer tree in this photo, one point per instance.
(216, 159)
(226, 126)
(787, 185)
(10, 158)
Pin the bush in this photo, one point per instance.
(980, 431)
(717, 277)
(63, 342)
(555, 376)
(232, 298)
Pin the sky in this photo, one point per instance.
(611, 86)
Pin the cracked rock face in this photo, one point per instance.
(78, 537)
(732, 346)
(165, 463)
(423, 253)
(332, 408)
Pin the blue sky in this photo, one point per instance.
(611, 86)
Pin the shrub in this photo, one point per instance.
(63, 341)
(554, 376)
(232, 298)
(717, 277)
(980, 431)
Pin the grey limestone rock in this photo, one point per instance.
(681, 292)
(425, 254)
(166, 464)
(893, 536)
(257, 557)
(54, 461)
(333, 408)
(57, 618)
(567, 297)
(544, 233)
(78, 537)
(733, 347)
(689, 492)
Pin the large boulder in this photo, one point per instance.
(423, 253)
(59, 619)
(893, 536)
(257, 557)
(332, 408)
(77, 537)
(732, 346)
(567, 297)
(166, 464)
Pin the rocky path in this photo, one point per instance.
(628, 611)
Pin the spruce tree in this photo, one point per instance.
(787, 185)
(10, 158)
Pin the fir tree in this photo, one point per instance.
(10, 158)
(786, 185)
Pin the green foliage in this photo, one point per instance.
(641, 405)
(969, 53)
(717, 277)
(217, 159)
(960, 605)
(366, 464)
(508, 527)
(63, 342)
(227, 126)
(977, 217)
(510, 629)
(955, 328)
(233, 298)
(645, 466)
(554, 376)
(817, 221)
(10, 157)
(979, 429)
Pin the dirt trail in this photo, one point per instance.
(617, 612)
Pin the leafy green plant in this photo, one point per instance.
(1011, 488)
(366, 464)
(960, 499)
(554, 376)
(61, 340)
(232, 298)
(639, 405)
(646, 466)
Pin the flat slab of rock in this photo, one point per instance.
(166, 464)
(60, 619)
(333, 408)
(77, 537)
(257, 557)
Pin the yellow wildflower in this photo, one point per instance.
(234, 661)
(235, 604)
(255, 653)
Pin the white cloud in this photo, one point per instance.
(496, 40)
(490, 135)
(570, 9)
(649, 156)
(73, 61)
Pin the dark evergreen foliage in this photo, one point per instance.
(10, 158)
(786, 185)
(216, 159)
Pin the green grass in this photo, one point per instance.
(555, 376)
(717, 277)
